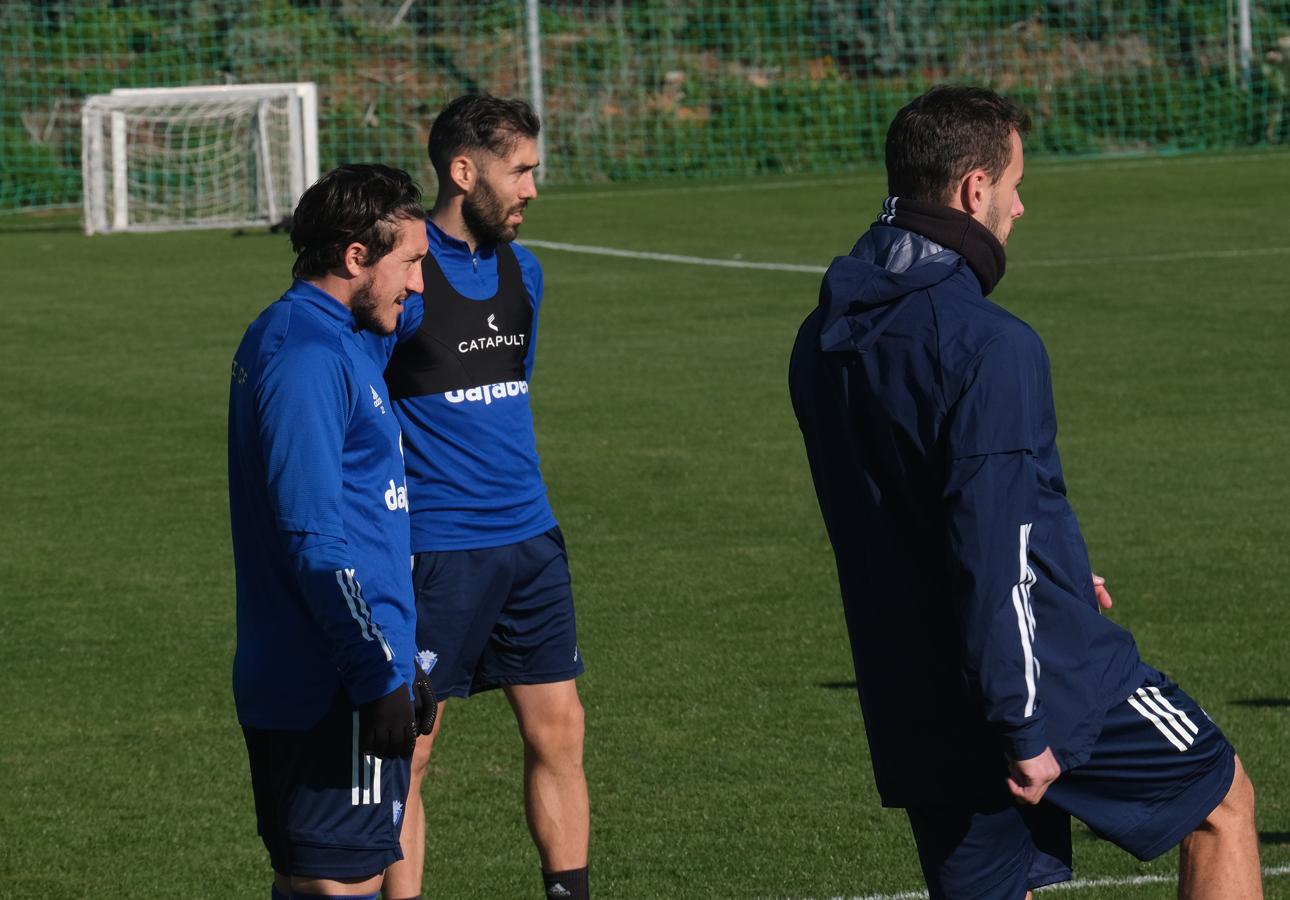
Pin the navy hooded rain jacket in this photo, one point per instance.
(928, 419)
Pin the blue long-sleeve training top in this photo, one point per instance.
(928, 419)
(318, 507)
(459, 378)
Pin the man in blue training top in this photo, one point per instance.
(998, 701)
(494, 606)
(327, 689)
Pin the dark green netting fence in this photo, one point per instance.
(658, 88)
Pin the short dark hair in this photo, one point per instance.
(475, 122)
(944, 134)
(351, 204)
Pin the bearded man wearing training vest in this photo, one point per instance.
(490, 573)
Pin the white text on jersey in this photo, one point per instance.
(488, 393)
(488, 343)
(396, 497)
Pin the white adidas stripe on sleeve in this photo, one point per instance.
(1026, 617)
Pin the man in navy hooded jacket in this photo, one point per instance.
(998, 701)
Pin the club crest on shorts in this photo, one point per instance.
(426, 659)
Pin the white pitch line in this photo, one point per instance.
(675, 258)
(1155, 257)
(819, 270)
(751, 186)
(1076, 885)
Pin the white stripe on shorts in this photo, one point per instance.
(1160, 698)
(353, 759)
(1160, 726)
(1168, 718)
(365, 773)
(367, 779)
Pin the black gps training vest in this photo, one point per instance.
(464, 343)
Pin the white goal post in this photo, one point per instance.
(219, 156)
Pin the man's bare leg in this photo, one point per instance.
(330, 887)
(1220, 859)
(551, 722)
(403, 879)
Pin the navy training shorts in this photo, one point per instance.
(323, 809)
(496, 616)
(1157, 770)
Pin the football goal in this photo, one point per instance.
(224, 156)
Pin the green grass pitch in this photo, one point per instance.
(725, 751)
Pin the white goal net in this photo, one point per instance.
(165, 159)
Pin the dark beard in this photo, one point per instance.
(363, 308)
(993, 221)
(484, 216)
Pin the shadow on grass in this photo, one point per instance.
(1264, 702)
(837, 685)
(1274, 837)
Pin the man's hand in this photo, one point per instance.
(1028, 779)
(386, 727)
(1099, 588)
(425, 703)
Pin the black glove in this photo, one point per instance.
(386, 726)
(425, 703)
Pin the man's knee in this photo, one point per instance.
(558, 733)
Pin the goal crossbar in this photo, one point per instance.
(208, 156)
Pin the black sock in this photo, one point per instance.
(568, 885)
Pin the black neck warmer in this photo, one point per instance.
(953, 230)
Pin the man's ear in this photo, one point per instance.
(355, 259)
(463, 172)
(974, 191)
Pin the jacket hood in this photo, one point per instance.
(861, 293)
